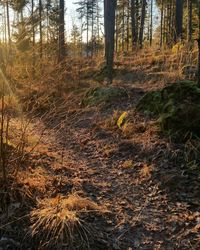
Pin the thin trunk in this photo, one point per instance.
(123, 27)
(151, 24)
(137, 15)
(40, 28)
(143, 14)
(161, 25)
(189, 20)
(133, 24)
(198, 82)
(92, 42)
(5, 25)
(61, 53)
(8, 22)
(116, 33)
(127, 32)
(87, 28)
(33, 38)
(98, 23)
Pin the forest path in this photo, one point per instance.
(143, 215)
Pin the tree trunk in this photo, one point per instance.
(87, 28)
(143, 14)
(133, 24)
(189, 20)
(161, 24)
(128, 26)
(123, 26)
(40, 28)
(33, 38)
(179, 20)
(109, 23)
(8, 23)
(151, 24)
(98, 26)
(61, 52)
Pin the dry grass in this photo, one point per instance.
(61, 222)
(14, 192)
(111, 122)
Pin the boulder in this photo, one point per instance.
(177, 107)
(102, 95)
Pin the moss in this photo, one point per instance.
(177, 107)
(151, 103)
(101, 95)
(101, 74)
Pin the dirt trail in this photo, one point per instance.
(143, 213)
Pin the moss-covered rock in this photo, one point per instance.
(117, 73)
(151, 103)
(101, 95)
(177, 107)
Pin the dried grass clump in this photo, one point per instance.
(60, 222)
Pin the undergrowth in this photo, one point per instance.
(62, 222)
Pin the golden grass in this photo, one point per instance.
(127, 164)
(60, 222)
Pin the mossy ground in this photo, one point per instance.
(177, 108)
(100, 95)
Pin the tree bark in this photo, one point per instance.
(151, 24)
(179, 20)
(133, 24)
(61, 39)
(40, 28)
(33, 38)
(143, 14)
(161, 24)
(109, 24)
(189, 20)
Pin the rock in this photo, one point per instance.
(101, 95)
(177, 108)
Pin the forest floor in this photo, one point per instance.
(140, 178)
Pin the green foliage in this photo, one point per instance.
(177, 107)
(100, 95)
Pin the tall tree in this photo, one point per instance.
(61, 34)
(161, 23)
(133, 24)
(179, 20)
(189, 20)
(109, 24)
(143, 14)
(40, 28)
(151, 23)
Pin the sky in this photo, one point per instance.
(72, 17)
(71, 14)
